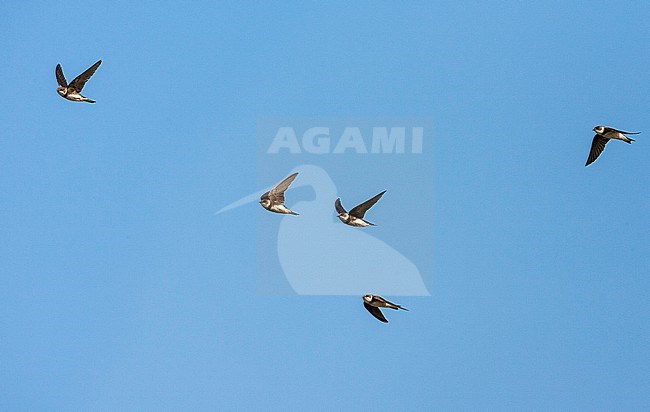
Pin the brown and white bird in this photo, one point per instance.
(603, 135)
(72, 91)
(372, 303)
(355, 216)
(273, 200)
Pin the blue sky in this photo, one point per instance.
(121, 290)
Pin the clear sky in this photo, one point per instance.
(122, 290)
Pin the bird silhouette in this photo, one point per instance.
(322, 257)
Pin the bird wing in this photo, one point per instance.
(80, 81)
(597, 147)
(60, 78)
(386, 303)
(277, 193)
(339, 207)
(360, 210)
(375, 312)
(389, 304)
(611, 129)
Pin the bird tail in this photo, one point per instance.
(629, 140)
(293, 213)
(89, 100)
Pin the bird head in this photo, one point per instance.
(62, 90)
(265, 203)
(367, 298)
(599, 129)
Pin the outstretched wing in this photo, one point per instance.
(611, 129)
(60, 78)
(597, 147)
(389, 304)
(277, 193)
(360, 210)
(80, 81)
(339, 207)
(375, 312)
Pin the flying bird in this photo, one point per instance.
(355, 216)
(372, 303)
(72, 91)
(603, 135)
(309, 247)
(273, 200)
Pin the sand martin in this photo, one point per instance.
(355, 216)
(273, 200)
(372, 303)
(72, 91)
(603, 135)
